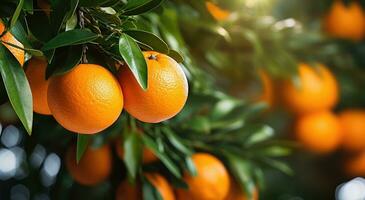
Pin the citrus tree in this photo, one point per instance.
(105, 81)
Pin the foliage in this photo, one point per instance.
(107, 32)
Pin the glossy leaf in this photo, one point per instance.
(149, 191)
(65, 60)
(16, 14)
(94, 3)
(149, 39)
(81, 146)
(262, 134)
(132, 153)
(134, 58)
(162, 156)
(17, 87)
(141, 6)
(176, 141)
(68, 38)
(176, 56)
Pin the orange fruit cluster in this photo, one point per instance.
(311, 100)
(345, 21)
(212, 182)
(89, 99)
(353, 127)
(317, 128)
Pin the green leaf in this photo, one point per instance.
(149, 191)
(40, 26)
(141, 6)
(82, 143)
(65, 59)
(109, 19)
(134, 58)
(275, 151)
(200, 124)
(17, 87)
(28, 6)
(176, 141)
(162, 156)
(71, 23)
(191, 166)
(20, 34)
(149, 39)
(278, 165)
(262, 134)
(16, 14)
(93, 3)
(176, 56)
(132, 153)
(242, 172)
(68, 38)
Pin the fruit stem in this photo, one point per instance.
(152, 57)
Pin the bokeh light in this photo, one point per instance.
(50, 169)
(352, 190)
(11, 136)
(8, 164)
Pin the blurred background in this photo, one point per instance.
(254, 51)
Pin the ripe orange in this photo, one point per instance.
(94, 167)
(9, 38)
(355, 165)
(218, 13)
(161, 184)
(36, 75)
(353, 129)
(236, 193)
(319, 132)
(129, 192)
(86, 100)
(211, 183)
(147, 155)
(166, 94)
(317, 91)
(344, 21)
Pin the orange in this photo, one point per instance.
(319, 132)
(147, 155)
(345, 21)
(353, 129)
(166, 94)
(126, 191)
(36, 75)
(162, 186)
(211, 183)
(317, 90)
(355, 165)
(94, 167)
(86, 100)
(267, 88)
(236, 193)
(218, 13)
(9, 38)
